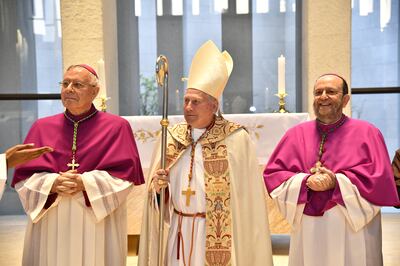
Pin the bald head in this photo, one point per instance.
(330, 98)
(345, 87)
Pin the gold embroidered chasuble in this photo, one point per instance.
(236, 224)
(217, 184)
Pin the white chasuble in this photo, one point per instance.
(69, 232)
(251, 243)
(349, 235)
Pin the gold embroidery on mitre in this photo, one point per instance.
(210, 70)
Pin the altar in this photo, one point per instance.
(265, 130)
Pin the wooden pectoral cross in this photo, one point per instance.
(188, 192)
(73, 164)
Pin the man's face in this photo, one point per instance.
(329, 99)
(78, 91)
(198, 108)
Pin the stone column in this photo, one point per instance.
(89, 33)
(326, 44)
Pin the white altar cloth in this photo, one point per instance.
(265, 130)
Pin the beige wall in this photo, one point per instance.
(89, 30)
(326, 44)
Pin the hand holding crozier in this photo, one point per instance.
(160, 179)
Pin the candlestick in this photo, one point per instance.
(281, 74)
(281, 103)
(102, 95)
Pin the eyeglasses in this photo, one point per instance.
(328, 92)
(76, 85)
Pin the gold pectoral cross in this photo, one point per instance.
(73, 164)
(188, 192)
(315, 169)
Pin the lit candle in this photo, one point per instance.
(102, 78)
(281, 75)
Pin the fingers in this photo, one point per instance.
(160, 180)
(68, 184)
(330, 177)
(325, 170)
(24, 146)
(313, 184)
(320, 182)
(73, 171)
(61, 179)
(36, 152)
(162, 172)
(66, 188)
(46, 149)
(18, 147)
(65, 191)
(161, 176)
(71, 174)
(23, 153)
(29, 150)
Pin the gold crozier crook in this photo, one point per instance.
(162, 81)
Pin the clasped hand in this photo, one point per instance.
(160, 179)
(68, 183)
(324, 179)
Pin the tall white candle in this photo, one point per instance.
(281, 74)
(102, 78)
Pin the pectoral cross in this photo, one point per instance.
(73, 164)
(188, 192)
(315, 169)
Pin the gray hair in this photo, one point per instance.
(214, 101)
(94, 81)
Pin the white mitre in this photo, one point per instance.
(210, 70)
